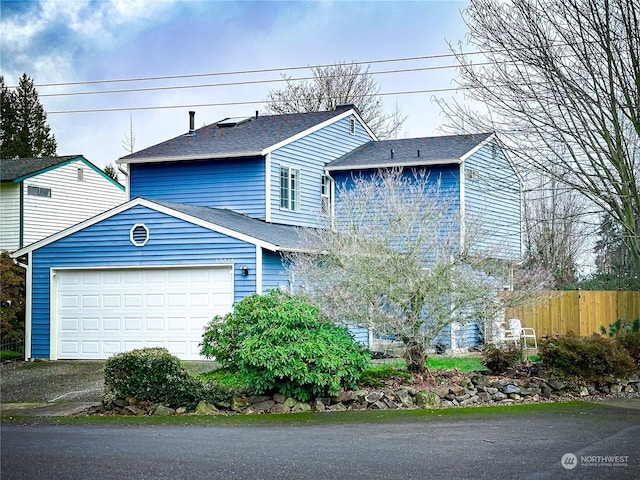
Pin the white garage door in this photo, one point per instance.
(102, 312)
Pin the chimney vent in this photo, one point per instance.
(418, 152)
(392, 153)
(256, 113)
(192, 121)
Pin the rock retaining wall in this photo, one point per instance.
(474, 389)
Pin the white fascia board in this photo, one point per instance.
(184, 158)
(317, 127)
(422, 163)
(478, 147)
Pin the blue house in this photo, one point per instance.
(210, 215)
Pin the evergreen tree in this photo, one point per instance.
(25, 132)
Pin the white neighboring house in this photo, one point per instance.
(41, 196)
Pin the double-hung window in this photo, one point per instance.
(289, 188)
(325, 195)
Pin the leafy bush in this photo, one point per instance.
(620, 327)
(281, 343)
(586, 357)
(498, 358)
(154, 375)
(630, 341)
(12, 299)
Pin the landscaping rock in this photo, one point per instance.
(279, 398)
(133, 410)
(279, 408)
(480, 381)
(373, 397)
(263, 406)
(258, 399)
(163, 411)
(346, 396)
(301, 407)
(509, 389)
(498, 396)
(556, 385)
(239, 404)
(470, 401)
(338, 407)
(427, 399)
(205, 408)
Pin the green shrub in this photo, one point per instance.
(281, 343)
(498, 358)
(620, 327)
(154, 375)
(631, 342)
(589, 358)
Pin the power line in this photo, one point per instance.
(246, 72)
(248, 82)
(226, 104)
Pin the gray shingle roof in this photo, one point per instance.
(245, 139)
(284, 237)
(14, 168)
(432, 150)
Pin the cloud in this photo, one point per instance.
(49, 39)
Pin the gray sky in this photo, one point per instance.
(68, 41)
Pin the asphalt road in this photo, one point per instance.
(469, 444)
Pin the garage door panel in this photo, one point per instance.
(100, 313)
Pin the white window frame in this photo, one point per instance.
(133, 237)
(35, 191)
(325, 195)
(289, 188)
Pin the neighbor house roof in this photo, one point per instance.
(283, 237)
(410, 151)
(18, 169)
(237, 137)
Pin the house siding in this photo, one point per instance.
(9, 216)
(274, 273)
(172, 242)
(71, 201)
(492, 201)
(310, 155)
(234, 184)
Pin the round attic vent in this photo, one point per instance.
(139, 235)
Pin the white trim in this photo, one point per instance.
(149, 204)
(267, 187)
(259, 270)
(182, 158)
(463, 219)
(317, 127)
(132, 238)
(291, 191)
(478, 147)
(53, 315)
(53, 290)
(416, 163)
(28, 309)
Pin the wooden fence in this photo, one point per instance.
(582, 312)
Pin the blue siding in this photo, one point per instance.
(171, 242)
(274, 273)
(492, 199)
(235, 184)
(310, 154)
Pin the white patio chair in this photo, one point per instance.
(525, 336)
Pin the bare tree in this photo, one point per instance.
(556, 229)
(335, 85)
(561, 84)
(129, 141)
(393, 262)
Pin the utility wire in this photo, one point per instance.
(248, 102)
(262, 70)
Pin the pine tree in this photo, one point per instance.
(25, 132)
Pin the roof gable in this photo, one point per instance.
(271, 236)
(18, 169)
(253, 136)
(410, 152)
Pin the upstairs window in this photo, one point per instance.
(289, 188)
(39, 191)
